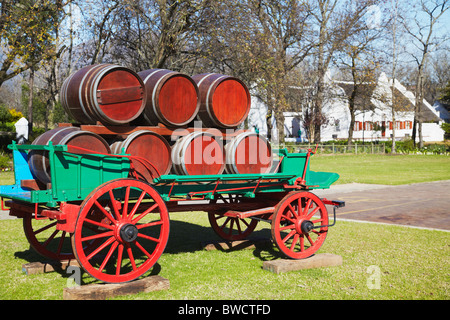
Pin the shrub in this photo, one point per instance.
(446, 128)
(5, 162)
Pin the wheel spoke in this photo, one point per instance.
(148, 237)
(142, 249)
(296, 236)
(114, 204)
(125, 203)
(317, 221)
(245, 222)
(302, 243)
(290, 234)
(61, 242)
(119, 259)
(137, 204)
(218, 217)
(225, 223)
(311, 241)
(287, 218)
(293, 211)
(102, 240)
(230, 231)
(130, 256)
(290, 214)
(291, 226)
(45, 228)
(151, 224)
(231, 228)
(106, 213)
(307, 207)
(108, 256)
(238, 225)
(98, 236)
(100, 248)
(312, 213)
(99, 224)
(52, 236)
(143, 214)
(44, 239)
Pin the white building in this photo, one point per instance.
(373, 121)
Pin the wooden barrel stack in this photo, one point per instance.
(134, 105)
(173, 98)
(107, 93)
(198, 153)
(225, 100)
(81, 140)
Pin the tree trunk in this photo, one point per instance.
(30, 101)
(279, 118)
(352, 121)
(269, 123)
(418, 107)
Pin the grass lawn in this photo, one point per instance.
(412, 263)
(384, 169)
(367, 168)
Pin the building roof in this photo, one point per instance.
(368, 93)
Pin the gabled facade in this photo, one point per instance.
(373, 117)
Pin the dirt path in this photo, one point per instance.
(420, 204)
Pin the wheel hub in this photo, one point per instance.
(304, 226)
(128, 232)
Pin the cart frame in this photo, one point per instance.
(93, 203)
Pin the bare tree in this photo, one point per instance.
(360, 57)
(159, 33)
(425, 40)
(335, 22)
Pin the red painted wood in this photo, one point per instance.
(178, 100)
(230, 102)
(224, 100)
(295, 210)
(140, 231)
(150, 146)
(198, 154)
(172, 98)
(111, 94)
(248, 153)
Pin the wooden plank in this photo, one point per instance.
(44, 267)
(109, 290)
(119, 95)
(315, 261)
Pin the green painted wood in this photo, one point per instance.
(75, 176)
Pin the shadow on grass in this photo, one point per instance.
(184, 237)
(188, 237)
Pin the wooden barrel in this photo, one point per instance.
(198, 153)
(108, 93)
(248, 152)
(172, 98)
(72, 136)
(150, 146)
(224, 100)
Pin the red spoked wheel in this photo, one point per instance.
(46, 240)
(231, 228)
(129, 222)
(299, 224)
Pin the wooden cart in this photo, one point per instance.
(117, 226)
